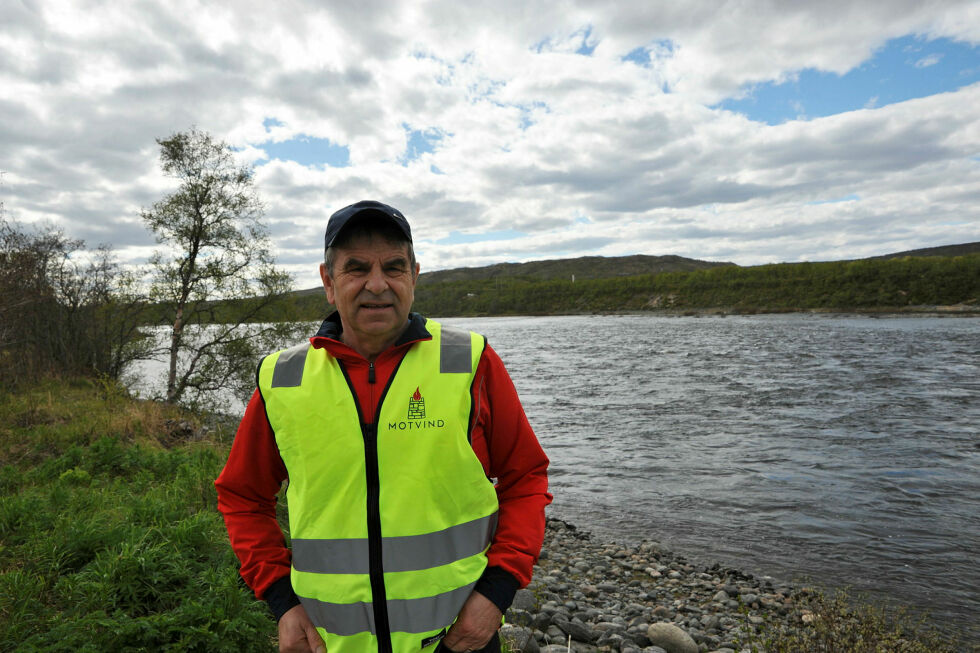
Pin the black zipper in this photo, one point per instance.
(369, 432)
(379, 597)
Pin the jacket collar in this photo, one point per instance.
(331, 329)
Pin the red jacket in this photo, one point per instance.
(501, 438)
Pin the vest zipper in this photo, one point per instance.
(369, 432)
(379, 598)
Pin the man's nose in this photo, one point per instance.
(376, 281)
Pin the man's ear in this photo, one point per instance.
(327, 282)
(417, 268)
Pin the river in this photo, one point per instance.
(840, 449)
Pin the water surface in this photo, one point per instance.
(841, 449)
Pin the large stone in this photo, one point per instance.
(711, 622)
(524, 600)
(609, 626)
(578, 632)
(540, 621)
(671, 638)
(579, 647)
(519, 640)
(610, 641)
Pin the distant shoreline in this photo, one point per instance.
(923, 311)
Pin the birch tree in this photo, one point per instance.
(216, 276)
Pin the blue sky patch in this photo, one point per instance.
(588, 43)
(271, 122)
(458, 238)
(419, 142)
(586, 46)
(905, 68)
(847, 198)
(639, 56)
(527, 110)
(308, 151)
(644, 54)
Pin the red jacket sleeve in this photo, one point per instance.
(503, 438)
(247, 489)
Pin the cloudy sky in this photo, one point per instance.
(745, 131)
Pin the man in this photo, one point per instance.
(390, 429)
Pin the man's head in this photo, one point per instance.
(369, 273)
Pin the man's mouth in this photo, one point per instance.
(375, 306)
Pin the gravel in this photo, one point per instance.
(615, 597)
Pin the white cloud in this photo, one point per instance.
(534, 136)
(929, 60)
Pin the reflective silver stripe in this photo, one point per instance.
(340, 618)
(430, 613)
(288, 372)
(404, 615)
(454, 351)
(412, 552)
(405, 553)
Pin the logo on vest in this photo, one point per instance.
(416, 416)
(416, 405)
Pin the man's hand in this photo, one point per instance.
(297, 633)
(477, 622)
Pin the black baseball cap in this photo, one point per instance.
(361, 209)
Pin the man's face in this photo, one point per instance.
(373, 286)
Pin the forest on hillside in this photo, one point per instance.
(895, 284)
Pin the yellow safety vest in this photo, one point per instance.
(389, 522)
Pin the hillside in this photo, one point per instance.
(911, 280)
(584, 267)
(944, 250)
(603, 267)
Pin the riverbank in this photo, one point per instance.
(590, 596)
(110, 540)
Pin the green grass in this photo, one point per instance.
(110, 539)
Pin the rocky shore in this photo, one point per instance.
(595, 596)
